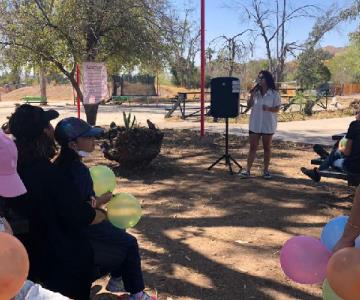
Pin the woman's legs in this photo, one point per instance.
(117, 252)
(266, 140)
(254, 142)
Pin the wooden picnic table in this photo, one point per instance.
(179, 102)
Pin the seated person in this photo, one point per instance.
(115, 251)
(352, 228)
(344, 159)
(12, 186)
(60, 254)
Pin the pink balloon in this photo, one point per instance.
(304, 259)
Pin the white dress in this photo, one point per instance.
(264, 121)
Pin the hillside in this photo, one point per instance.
(54, 93)
(333, 50)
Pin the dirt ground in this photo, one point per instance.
(209, 235)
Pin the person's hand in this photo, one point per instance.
(103, 199)
(266, 108)
(343, 243)
(100, 216)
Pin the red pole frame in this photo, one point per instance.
(78, 96)
(202, 78)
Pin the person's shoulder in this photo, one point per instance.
(78, 167)
(355, 125)
(42, 165)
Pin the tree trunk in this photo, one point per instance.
(90, 109)
(91, 113)
(42, 75)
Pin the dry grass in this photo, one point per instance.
(54, 93)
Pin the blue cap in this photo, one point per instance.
(69, 129)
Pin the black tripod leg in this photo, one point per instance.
(236, 163)
(209, 168)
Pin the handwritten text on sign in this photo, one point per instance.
(94, 82)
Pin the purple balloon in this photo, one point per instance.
(304, 259)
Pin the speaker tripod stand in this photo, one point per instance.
(228, 158)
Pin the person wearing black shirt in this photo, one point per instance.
(60, 254)
(115, 251)
(348, 161)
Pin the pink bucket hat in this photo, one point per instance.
(10, 182)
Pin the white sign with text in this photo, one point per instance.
(94, 82)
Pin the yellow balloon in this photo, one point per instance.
(124, 210)
(342, 144)
(104, 179)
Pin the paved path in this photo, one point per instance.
(311, 131)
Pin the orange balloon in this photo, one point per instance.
(343, 273)
(14, 266)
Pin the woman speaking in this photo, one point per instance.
(265, 103)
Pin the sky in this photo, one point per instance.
(222, 20)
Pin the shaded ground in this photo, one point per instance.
(210, 235)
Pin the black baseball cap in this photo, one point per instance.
(69, 129)
(29, 121)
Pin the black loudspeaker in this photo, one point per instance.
(225, 93)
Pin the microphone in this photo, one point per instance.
(255, 88)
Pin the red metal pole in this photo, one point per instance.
(78, 96)
(202, 79)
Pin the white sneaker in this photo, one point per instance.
(244, 174)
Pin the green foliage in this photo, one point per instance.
(129, 122)
(345, 66)
(311, 70)
(62, 33)
(185, 75)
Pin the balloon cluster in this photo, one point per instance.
(124, 210)
(308, 260)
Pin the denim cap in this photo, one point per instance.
(69, 129)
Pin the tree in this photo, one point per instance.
(345, 66)
(270, 19)
(330, 19)
(64, 33)
(311, 70)
(184, 36)
(233, 50)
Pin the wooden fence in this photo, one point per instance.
(350, 89)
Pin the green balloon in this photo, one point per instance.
(124, 210)
(328, 293)
(342, 143)
(104, 179)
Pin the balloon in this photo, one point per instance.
(14, 265)
(304, 259)
(104, 179)
(343, 273)
(333, 231)
(124, 210)
(342, 144)
(328, 293)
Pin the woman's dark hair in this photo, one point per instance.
(66, 156)
(268, 78)
(41, 147)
